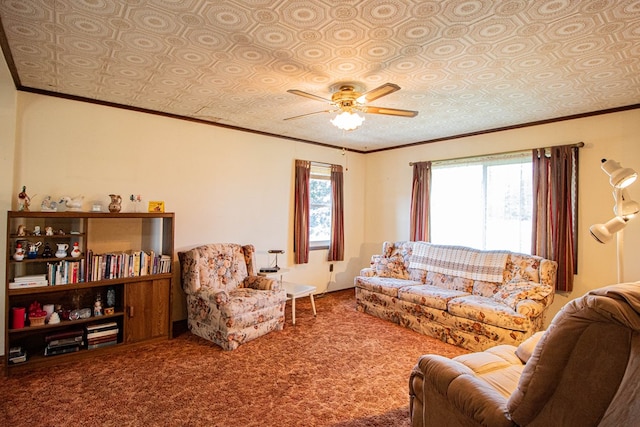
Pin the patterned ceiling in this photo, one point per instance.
(465, 65)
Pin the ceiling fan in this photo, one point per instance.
(348, 100)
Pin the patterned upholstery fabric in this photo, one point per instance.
(227, 303)
(473, 314)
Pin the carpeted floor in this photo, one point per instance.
(342, 368)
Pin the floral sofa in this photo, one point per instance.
(227, 303)
(466, 297)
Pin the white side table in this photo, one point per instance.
(296, 290)
(281, 272)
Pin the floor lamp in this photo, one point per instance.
(625, 209)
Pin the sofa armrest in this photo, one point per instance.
(513, 293)
(392, 266)
(367, 272)
(454, 395)
(530, 308)
(548, 272)
(261, 283)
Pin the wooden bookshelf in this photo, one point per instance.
(142, 303)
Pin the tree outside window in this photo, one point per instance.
(319, 206)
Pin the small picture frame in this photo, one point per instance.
(156, 206)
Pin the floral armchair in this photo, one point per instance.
(227, 303)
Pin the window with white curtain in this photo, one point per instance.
(319, 206)
(484, 202)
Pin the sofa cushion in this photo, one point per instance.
(489, 311)
(525, 350)
(498, 366)
(513, 292)
(449, 282)
(384, 285)
(392, 266)
(431, 296)
(243, 300)
(524, 268)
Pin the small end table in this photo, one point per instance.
(296, 290)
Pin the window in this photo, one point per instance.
(319, 206)
(484, 203)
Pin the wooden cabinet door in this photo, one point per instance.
(147, 314)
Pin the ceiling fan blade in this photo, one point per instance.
(308, 114)
(390, 111)
(378, 92)
(309, 95)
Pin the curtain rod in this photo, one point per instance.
(576, 145)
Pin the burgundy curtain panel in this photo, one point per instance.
(336, 244)
(420, 195)
(555, 201)
(301, 212)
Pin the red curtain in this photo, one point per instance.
(555, 201)
(420, 195)
(336, 244)
(301, 212)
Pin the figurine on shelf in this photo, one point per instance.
(22, 230)
(97, 306)
(46, 252)
(73, 204)
(33, 250)
(48, 231)
(116, 203)
(24, 200)
(48, 205)
(137, 200)
(75, 252)
(18, 255)
(54, 318)
(111, 297)
(36, 230)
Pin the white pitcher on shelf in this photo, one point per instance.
(61, 252)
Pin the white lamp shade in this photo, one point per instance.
(619, 177)
(625, 207)
(347, 120)
(604, 232)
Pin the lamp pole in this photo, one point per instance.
(619, 238)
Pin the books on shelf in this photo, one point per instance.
(102, 335)
(65, 272)
(32, 281)
(64, 342)
(17, 355)
(125, 264)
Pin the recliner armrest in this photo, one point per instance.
(262, 283)
(215, 296)
(466, 394)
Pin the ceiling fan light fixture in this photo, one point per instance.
(347, 120)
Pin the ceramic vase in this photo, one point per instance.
(116, 203)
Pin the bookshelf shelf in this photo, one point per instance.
(65, 324)
(128, 256)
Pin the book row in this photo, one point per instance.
(97, 267)
(126, 264)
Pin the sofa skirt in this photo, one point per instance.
(437, 323)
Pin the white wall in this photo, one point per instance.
(223, 185)
(7, 148)
(614, 136)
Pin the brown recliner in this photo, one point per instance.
(583, 371)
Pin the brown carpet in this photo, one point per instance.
(342, 368)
